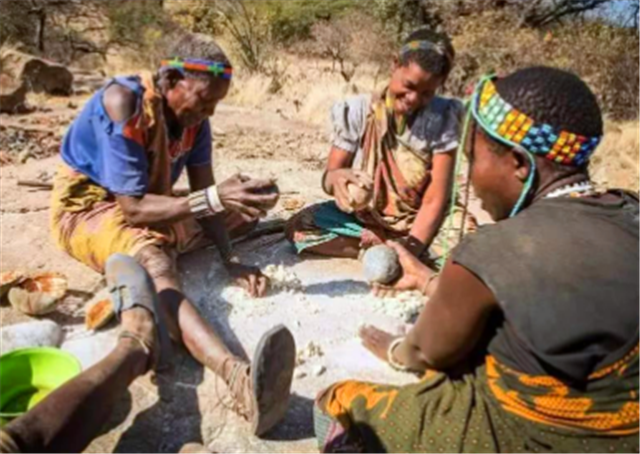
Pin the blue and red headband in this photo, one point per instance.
(218, 69)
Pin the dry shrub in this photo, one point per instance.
(350, 41)
(615, 162)
(606, 57)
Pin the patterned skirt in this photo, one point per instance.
(442, 413)
(324, 222)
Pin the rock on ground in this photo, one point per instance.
(43, 333)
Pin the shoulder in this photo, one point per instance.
(440, 111)
(348, 120)
(352, 107)
(121, 98)
(439, 123)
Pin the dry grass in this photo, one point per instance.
(615, 163)
(309, 89)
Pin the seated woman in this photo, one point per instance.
(399, 148)
(547, 299)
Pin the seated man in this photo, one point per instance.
(529, 341)
(113, 194)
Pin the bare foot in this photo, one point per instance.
(376, 341)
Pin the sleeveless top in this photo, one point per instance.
(565, 275)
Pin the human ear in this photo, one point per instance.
(521, 164)
(172, 76)
(395, 63)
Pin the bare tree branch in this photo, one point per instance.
(543, 13)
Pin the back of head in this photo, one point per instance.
(431, 50)
(554, 97)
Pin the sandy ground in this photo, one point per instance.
(331, 302)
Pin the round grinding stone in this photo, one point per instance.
(381, 264)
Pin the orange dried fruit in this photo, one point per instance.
(98, 314)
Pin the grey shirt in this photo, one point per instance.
(436, 128)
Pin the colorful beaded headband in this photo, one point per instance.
(425, 45)
(218, 69)
(512, 127)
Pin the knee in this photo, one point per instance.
(292, 227)
(157, 262)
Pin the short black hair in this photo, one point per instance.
(555, 97)
(198, 46)
(438, 62)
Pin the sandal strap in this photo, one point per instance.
(145, 345)
(233, 396)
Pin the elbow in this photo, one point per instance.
(437, 360)
(434, 362)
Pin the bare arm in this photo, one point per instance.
(153, 210)
(434, 201)
(451, 322)
(339, 159)
(150, 210)
(201, 177)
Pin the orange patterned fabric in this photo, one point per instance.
(345, 393)
(608, 404)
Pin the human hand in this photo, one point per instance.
(371, 238)
(252, 198)
(413, 277)
(376, 341)
(338, 181)
(249, 278)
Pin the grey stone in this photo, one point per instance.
(381, 264)
(43, 333)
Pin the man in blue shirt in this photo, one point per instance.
(113, 194)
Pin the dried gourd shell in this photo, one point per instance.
(98, 314)
(360, 196)
(38, 295)
(9, 279)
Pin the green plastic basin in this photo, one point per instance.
(29, 374)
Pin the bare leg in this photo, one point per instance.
(185, 323)
(260, 390)
(71, 416)
(342, 246)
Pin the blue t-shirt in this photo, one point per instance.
(113, 154)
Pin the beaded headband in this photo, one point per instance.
(218, 69)
(508, 125)
(425, 45)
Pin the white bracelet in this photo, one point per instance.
(199, 204)
(214, 199)
(391, 360)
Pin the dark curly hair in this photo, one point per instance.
(438, 61)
